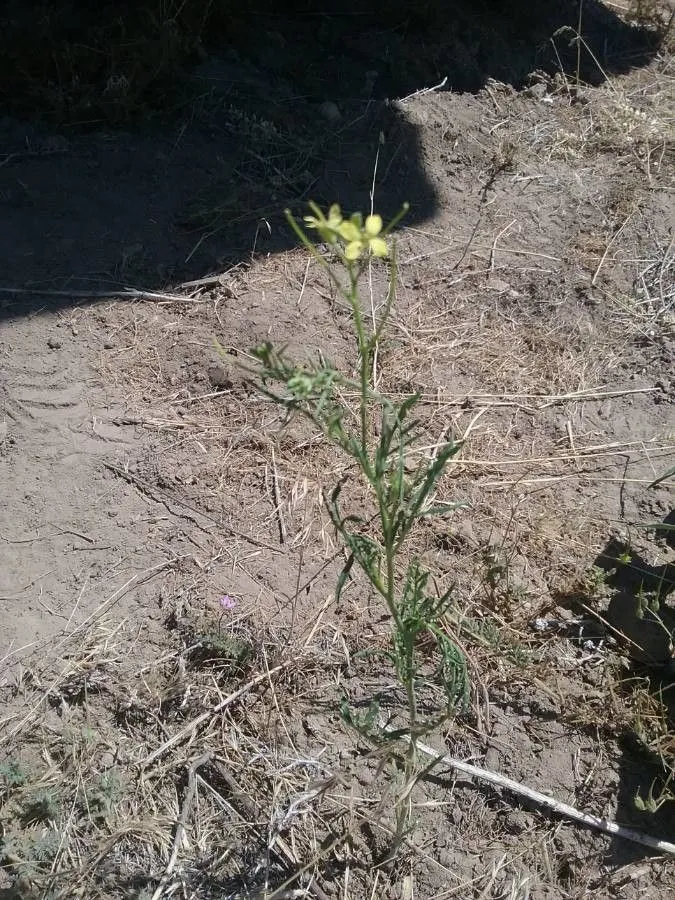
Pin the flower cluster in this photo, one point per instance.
(304, 383)
(354, 234)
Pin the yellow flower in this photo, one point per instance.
(350, 231)
(364, 239)
(357, 237)
(328, 228)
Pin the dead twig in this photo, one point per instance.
(426, 90)
(550, 803)
(181, 824)
(515, 400)
(609, 246)
(113, 293)
(197, 722)
(277, 499)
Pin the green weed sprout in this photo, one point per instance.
(379, 440)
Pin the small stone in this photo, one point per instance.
(537, 91)
(54, 343)
(108, 759)
(517, 821)
(108, 344)
(497, 284)
(219, 377)
(329, 111)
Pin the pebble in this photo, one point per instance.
(517, 821)
(54, 343)
(497, 284)
(537, 91)
(329, 111)
(219, 377)
(108, 759)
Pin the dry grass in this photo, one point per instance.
(222, 768)
(98, 801)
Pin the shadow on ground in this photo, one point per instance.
(641, 610)
(272, 107)
(640, 607)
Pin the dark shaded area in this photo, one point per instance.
(641, 617)
(150, 143)
(59, 58)
(641, 774)
(641, 611)
(639, 606)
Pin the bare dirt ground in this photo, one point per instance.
(154, 744)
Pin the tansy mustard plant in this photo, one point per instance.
(352, 236)
(402, 484)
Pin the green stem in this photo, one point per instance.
(366, 347)
(400, 627)
(391, 293)
(364, 354)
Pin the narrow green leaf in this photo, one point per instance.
(343, 577)
(406, 405)
(657, 526)
(427, 483)
(663, 477)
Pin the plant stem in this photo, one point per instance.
(364, 353)
(391, 293)
(399, 624)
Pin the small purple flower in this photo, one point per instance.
(227, 602)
